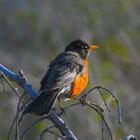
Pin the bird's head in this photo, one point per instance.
(80, 47)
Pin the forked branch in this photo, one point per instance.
(54, 116)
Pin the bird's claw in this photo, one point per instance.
(83, 100)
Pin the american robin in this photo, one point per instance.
(67, 76)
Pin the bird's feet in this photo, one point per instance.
(83, 100)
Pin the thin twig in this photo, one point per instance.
(9, 83)
(102, 130)
(103, 99)
(33, 124)
(15, 119)
(3, 85)
(113, 95)
(25, 104)
(117, 101)
(84, 101)
(47, 130)
(96, 108)
(72, 105)
(102, 116)
(11, 127)
(95, 105)
(19, 118)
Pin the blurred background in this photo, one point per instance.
(33, 32)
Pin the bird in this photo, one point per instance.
(66, 77)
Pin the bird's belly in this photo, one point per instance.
(79, 84)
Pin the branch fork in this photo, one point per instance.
(54, 116)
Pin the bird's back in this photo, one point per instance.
(62, 71)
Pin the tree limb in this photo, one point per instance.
(53, 116)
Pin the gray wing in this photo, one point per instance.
(61, 72)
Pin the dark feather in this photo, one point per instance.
(43, 104)
(60, 74)
(62, 71)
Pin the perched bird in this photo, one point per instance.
(66, 76)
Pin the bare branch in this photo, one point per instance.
(62, 126)
(33, 124)
(103, 99)
(113, 95)
(48, 130)
(55, 117)
(9, 83)
(3, 85)
(102, 117)
(102, 130)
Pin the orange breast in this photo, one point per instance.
(80, 82)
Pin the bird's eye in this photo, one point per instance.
(84, 47)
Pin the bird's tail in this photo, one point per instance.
(43, 104)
